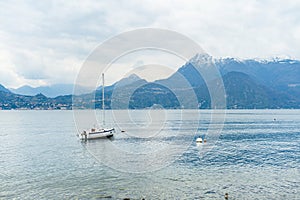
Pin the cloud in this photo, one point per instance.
(242, 29)
(43, 41)
(9, 76)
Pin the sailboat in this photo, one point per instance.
(97, 133)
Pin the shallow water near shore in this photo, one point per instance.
(257, 156)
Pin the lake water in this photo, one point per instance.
(256, 156)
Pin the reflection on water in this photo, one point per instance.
(256, 157)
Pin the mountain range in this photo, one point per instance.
(248, 84)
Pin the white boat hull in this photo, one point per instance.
(97, 134)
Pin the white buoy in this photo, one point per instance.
(199, 140)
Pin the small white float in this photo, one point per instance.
(199, 140)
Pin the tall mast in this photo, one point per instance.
(103, 105)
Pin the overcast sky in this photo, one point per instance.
(46, 42)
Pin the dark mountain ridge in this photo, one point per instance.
(249, 84)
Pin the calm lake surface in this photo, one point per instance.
(256, 156)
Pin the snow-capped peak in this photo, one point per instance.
(201, 58)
